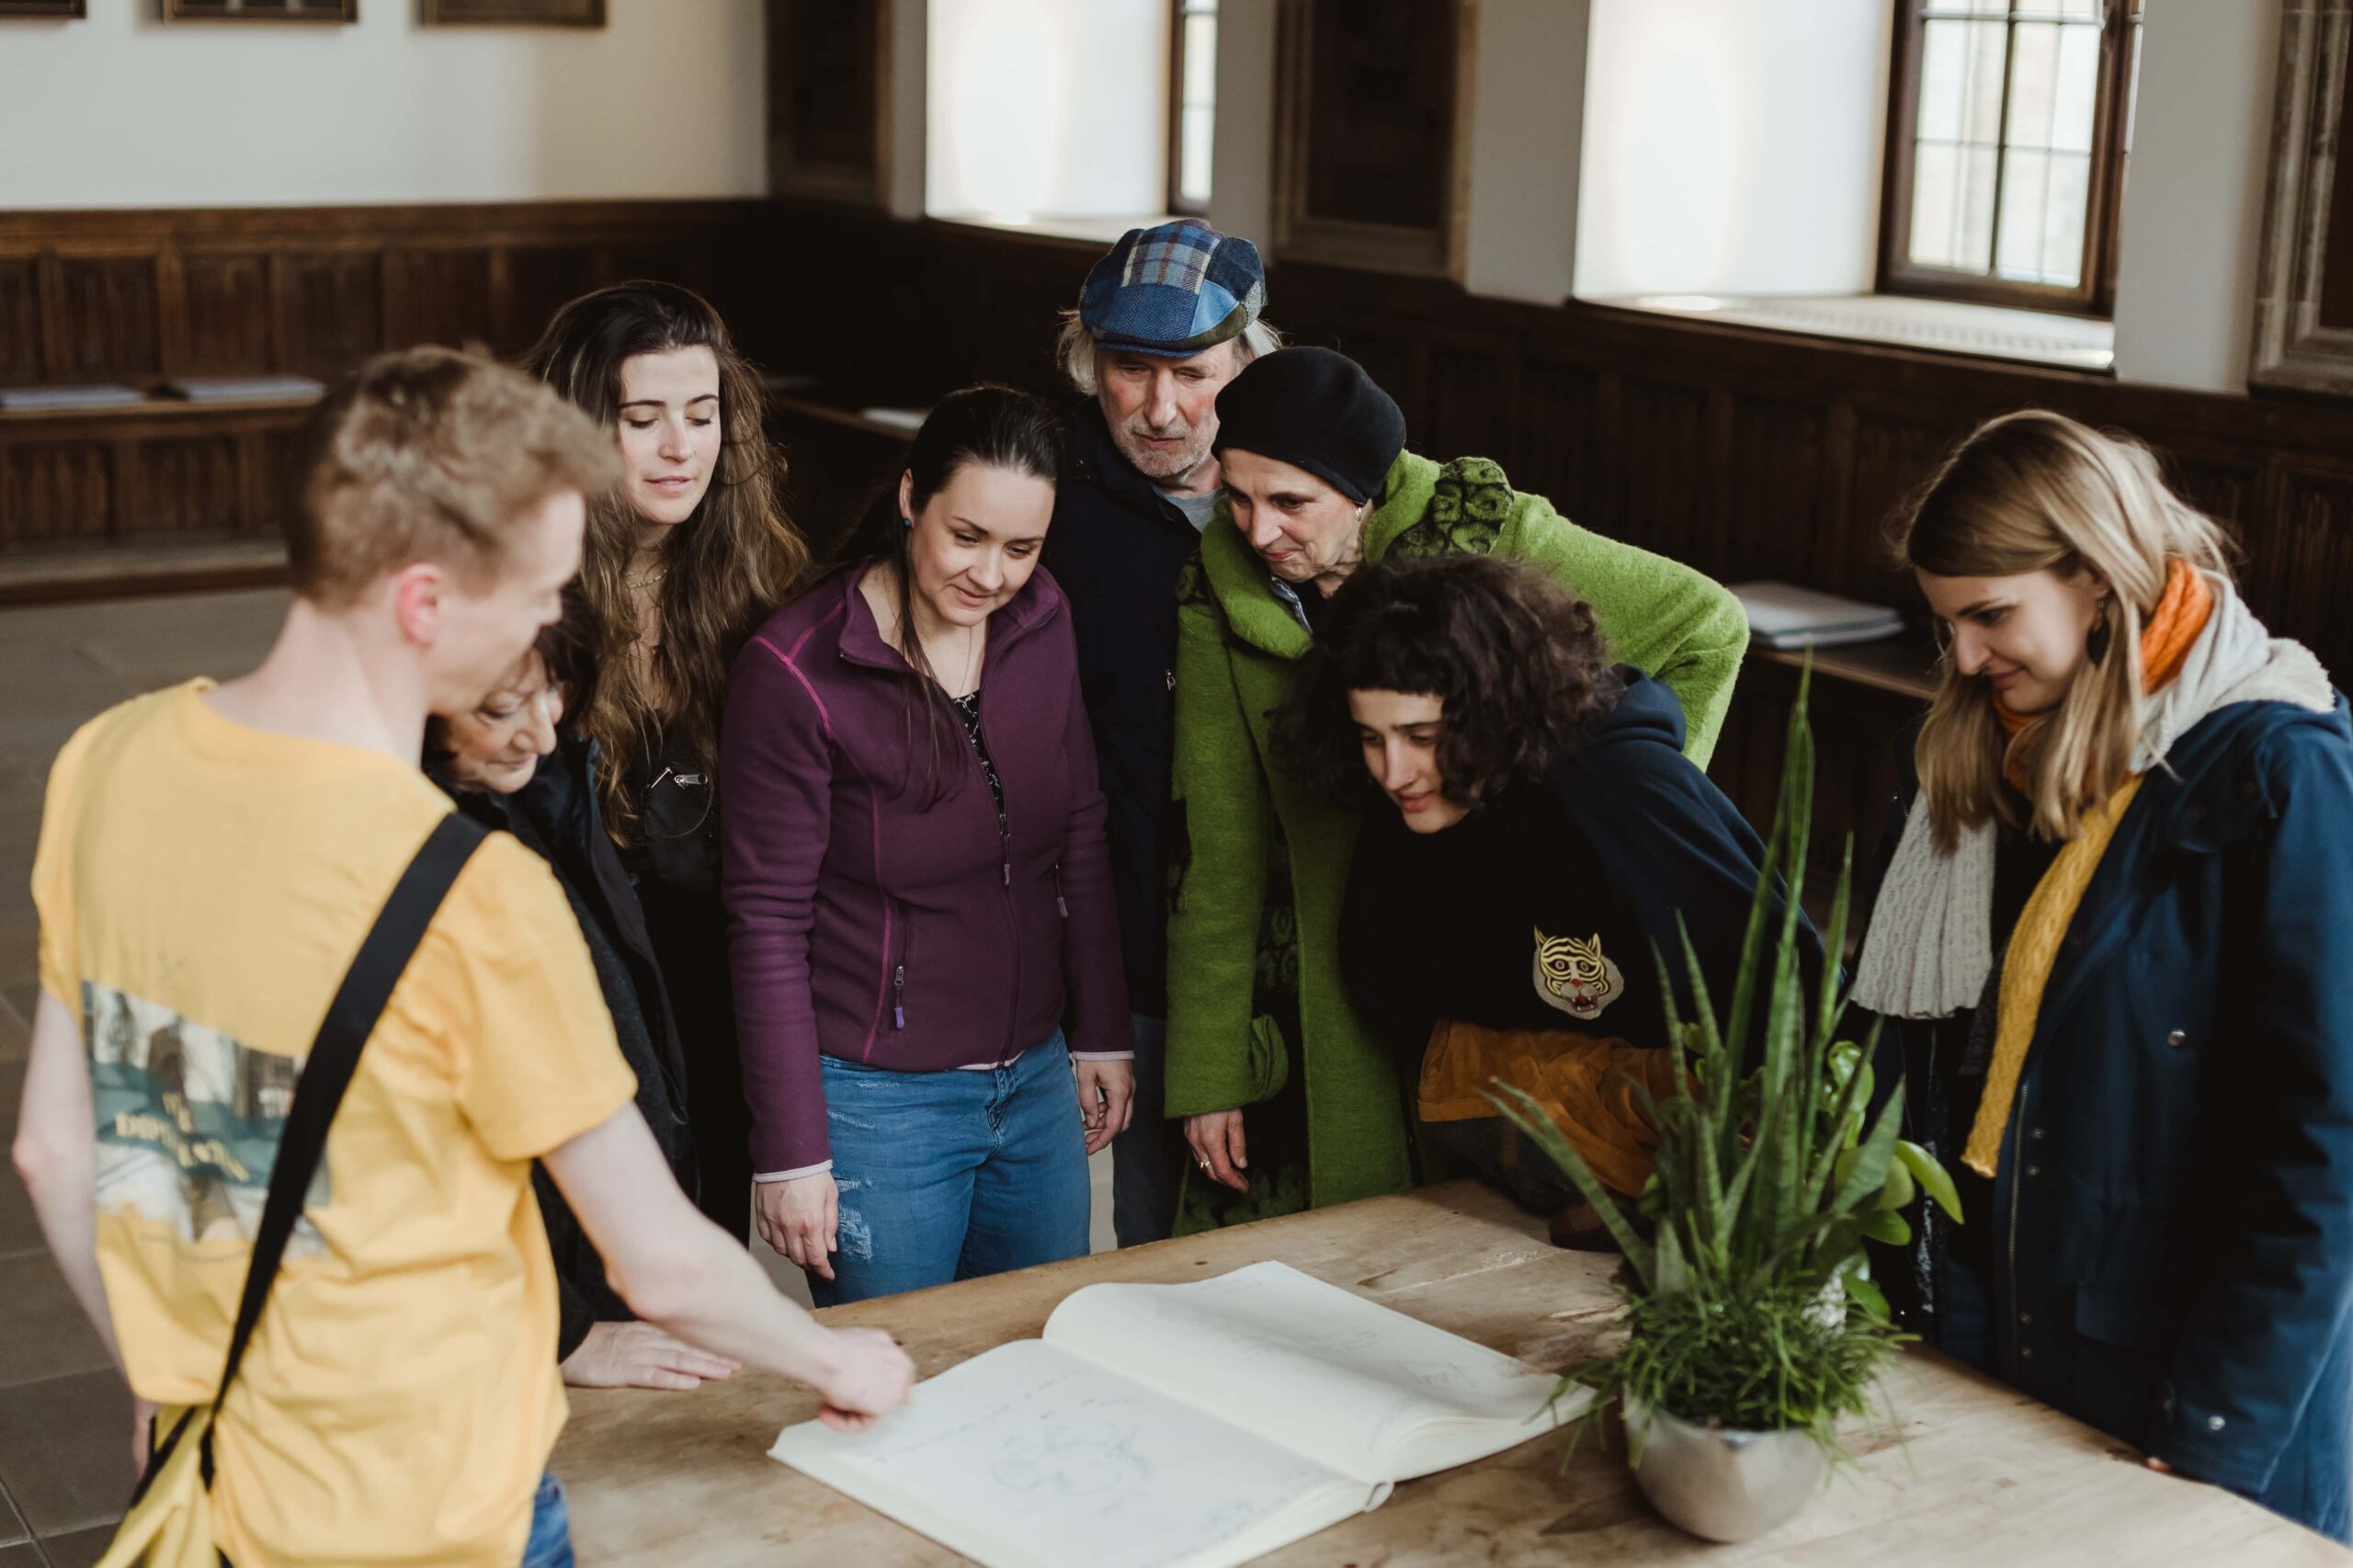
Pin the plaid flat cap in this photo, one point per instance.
(1173, 290)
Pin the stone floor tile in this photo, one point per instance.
(12, 1094)
(43, 1332)
(82, 1549)
(65, 1451)
(19, 1232)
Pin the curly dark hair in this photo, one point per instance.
(1517, 661)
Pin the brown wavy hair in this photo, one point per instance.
(1517, 661)
(728, 567)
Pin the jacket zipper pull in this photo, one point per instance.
(1059, 902)
(899, 998)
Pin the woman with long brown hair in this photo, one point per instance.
(2116, 933)
(689, 554)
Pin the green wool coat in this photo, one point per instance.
(1246, 824)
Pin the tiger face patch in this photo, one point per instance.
(1575, 976)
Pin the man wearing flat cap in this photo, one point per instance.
(1164, 321)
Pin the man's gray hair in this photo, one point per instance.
(1074, 350)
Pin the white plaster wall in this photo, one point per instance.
(2193, 194)
(1527, 129)
(1732, 146)
(124, 110)
(910, 74)
(1046, 108)
(1242, 162)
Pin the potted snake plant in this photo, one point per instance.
(1751, 1325)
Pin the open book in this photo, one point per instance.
(1188, 1426)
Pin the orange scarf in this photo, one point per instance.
(2167, 637)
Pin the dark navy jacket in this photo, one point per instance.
(1116, 547)
(556, 816)
(1624, 846)
(2173, 1219)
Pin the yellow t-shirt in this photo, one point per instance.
(202, 887)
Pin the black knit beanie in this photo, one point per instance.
(1315, 410)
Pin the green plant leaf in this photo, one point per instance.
(1886, 1225)
(1672, 1275)
(1863, 1293)
(1899, 1188)
(1530, 1116)
(1831, 1162)
(1934, 1179)
(1869, 1172)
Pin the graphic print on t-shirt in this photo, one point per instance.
(188, 1121)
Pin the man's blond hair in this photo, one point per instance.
(430, 454)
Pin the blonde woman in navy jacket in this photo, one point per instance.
(2117, 932)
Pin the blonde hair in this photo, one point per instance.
(431, 455)
(1075, 350)
(2037, 492)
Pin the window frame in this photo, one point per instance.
(1178, 205)
(2094, 294)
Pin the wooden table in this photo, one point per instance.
(1968, 1473)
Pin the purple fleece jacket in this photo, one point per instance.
(869, 923)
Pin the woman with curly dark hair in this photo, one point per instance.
(1543, 833)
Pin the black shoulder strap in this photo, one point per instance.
(351, 1018)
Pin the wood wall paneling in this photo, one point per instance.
(2298, 567)
(55, 494)
(1470, 391)
(185, 487)
(226, 314)
(1778, 519)
(540, 279)
(1659, 451)
(20, 314)
(141, 296)
(107, 318)
(1552, 436)
(329, 309)
(437, 295)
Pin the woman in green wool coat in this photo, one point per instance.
(1289, 1102)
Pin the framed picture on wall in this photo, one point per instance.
(2304, 305)
(63, 10)
(261, 10)
(515, 13)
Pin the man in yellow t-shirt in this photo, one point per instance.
(211, 858)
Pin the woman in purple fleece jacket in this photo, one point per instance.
(917, 888)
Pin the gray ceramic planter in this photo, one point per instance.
(1724, 1485)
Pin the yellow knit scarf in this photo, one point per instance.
(2034, 947)
(2173, 625)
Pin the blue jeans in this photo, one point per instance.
(1148, 1159)
(549, 1543)
(951, 1175)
